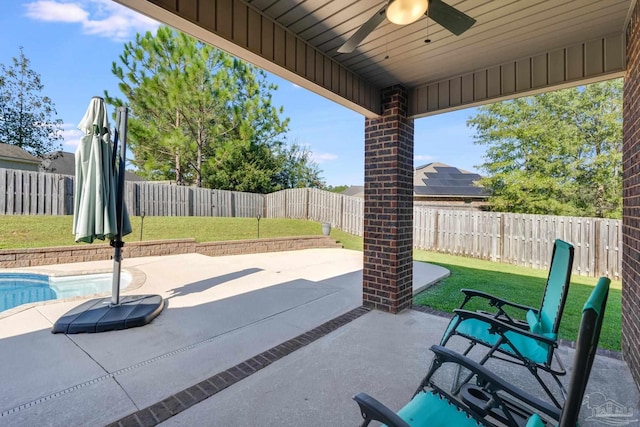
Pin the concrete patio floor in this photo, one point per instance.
(223, 311)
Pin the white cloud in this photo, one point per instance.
(56, 12)
(323, 157)
(71, 136)
(103, 18)
(423, 158)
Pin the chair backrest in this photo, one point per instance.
(555, 293)
(586, 345)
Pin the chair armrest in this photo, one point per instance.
(500, 326)
(493, 300)
(494, 382)
(372, 409)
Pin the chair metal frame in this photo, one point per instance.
(501, 324)
(505, 404)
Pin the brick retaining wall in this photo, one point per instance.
(238, 247)
(10, 258)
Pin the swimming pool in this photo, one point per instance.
(23, 288)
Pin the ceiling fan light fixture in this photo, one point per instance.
(403, 12)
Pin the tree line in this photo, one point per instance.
(199, 116)
(558, 153)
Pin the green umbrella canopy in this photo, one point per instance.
(94, 215)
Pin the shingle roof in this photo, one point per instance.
(439, 180)
(64, 163)
(13, 152)
(354, 191)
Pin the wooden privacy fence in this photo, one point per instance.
(154, 199)
(35, 193)
(525, 240)
(343, 212)
(519, 239)
(38, 193)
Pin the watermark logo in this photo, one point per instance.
(607, 411)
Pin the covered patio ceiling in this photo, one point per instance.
(516, 47)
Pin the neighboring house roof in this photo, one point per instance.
(441, 180)
(355, 191)
(16, 154)
(65, 163)
(438, 180)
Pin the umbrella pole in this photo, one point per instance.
(108, 314)
(116, 242)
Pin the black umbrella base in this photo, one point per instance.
(98, 315)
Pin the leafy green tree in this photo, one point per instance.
(555, 153)
(249, 159)
(26, 116)
(298, 169)
(598, 119)
(199, 116)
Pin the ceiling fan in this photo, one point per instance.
(403, 12)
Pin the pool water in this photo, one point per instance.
(24, 288)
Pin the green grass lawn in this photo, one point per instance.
(41, 231)
(518, 284)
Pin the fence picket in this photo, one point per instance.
(18, 193)
(33, 194)
(3, 191)
(55, 192)
(11, 177)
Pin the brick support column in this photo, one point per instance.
(631, 201)
(388, 205)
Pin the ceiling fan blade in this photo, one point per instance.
(449, 17)
(357, 37)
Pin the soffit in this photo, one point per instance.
(505, 30)
(516, 47)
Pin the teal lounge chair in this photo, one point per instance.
(531, 342)
(492, 401)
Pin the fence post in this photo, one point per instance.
(232, 202)
(10, 192)
(68, 196)
(502, 237)
(342, 196)
(597, 247)
(286, 204)
(436, 230)
(306, 204)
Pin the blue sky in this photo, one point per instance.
(72, 44)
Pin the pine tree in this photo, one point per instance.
(200, 116)
(26, 116)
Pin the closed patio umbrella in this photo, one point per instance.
(94, 214)
(100, 213)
